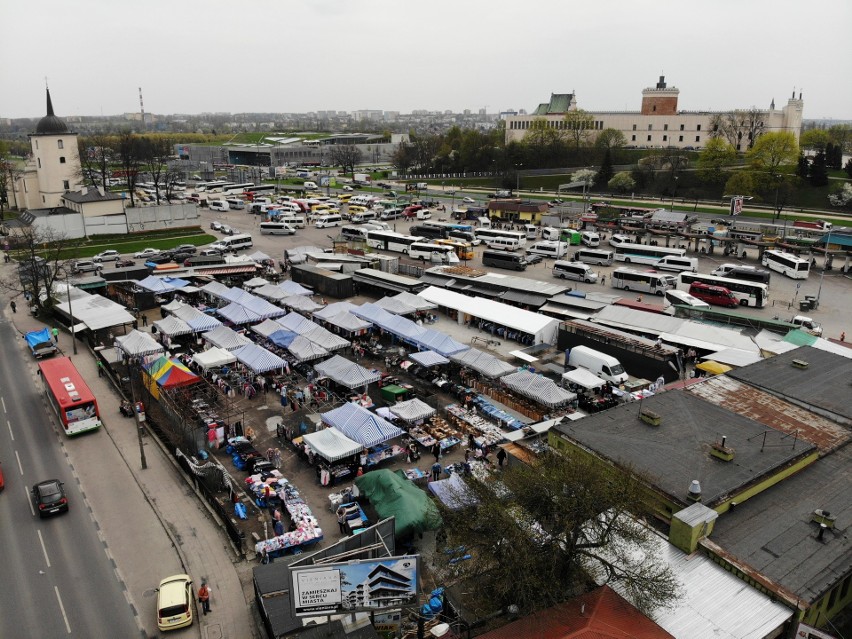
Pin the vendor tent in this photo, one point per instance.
(373, 314)
(333, 309)
(176, 283)
(346, 321)
(403, 328)
(395, 306)
(454, 493)
(393, 495)
(214, 357)
(171, 373)
(301, 347)
(360, 425)
(239, 314)
(155, 285)
(428, 359)
(415, 301)
(260, 306)
(258, 359)
(538, 388)
(440, 343)
(412, 410)
(259, 256)
(270, 292)
(267, 327)
(172, 306)
(582, 377)
(483, 363)
(346, 373)
(198, 321)
(173, 326)
(226, 338)
(325, 338)
(216, 289)
(292, 288)
(296, 323)
(301, 303)
(138, 344)
(255, 282)
(331, 444)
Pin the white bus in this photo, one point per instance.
(261, 189)
(391, 241)
(645, 254)
(486, 235)
(237, 189)
(786, 264)
(355, 233)
(209, 187)
(642, 281)
(747, 293)
(433, 252)
(276, 228)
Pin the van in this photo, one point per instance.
(677, 263)
(325, 221)
(604, 366)
(531, 230)
(504, 259)
(234, 243)
(218, 205)
(574, 271)
(717, 295)
(391, 214)
(311, 186)
(276, 228)
(682, 298)
(235, 203)
(548, 248)
(424, 214)
(364, 215)
(550, 233)
(590, 238)
(618, 239)
(296, 221)
(503, 243)
(594, 256)
(808, 325)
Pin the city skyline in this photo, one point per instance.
(194, 57)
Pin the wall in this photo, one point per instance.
(161, 217)
(73, 225)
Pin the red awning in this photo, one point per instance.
(226, 270)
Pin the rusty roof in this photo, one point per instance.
(773, 411)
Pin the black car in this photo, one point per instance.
(186, 248)
(533, 258)
(49, 498)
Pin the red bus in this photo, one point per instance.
(69, 396)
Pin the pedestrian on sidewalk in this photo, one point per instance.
(100, 368)
(204, 597)
(144, 320)
(436, 471)
(341, 519)
(436, 451)
(55, 332)
(501, 457)
(13, 306)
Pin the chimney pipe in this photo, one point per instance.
(821, 532)
(695, 490)
(724, 439)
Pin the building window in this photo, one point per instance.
(665, 127)
(655, 108)
(632, 138)
(39, 163)
(649, 138)
(66, 185)
(634, 127)
(698, 128)
(62, 159)
(698, 138)
(59, 144)
(36, 144)
(680, 138)
(681, 127)
(665, 138)
(650, 127)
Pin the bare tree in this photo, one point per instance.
(740, 128)
(346, 156)
(155, 152)
(130, 159)
(402, 158)
(96, 155)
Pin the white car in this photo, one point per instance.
(148, 252)
(618, 240)
(107, 256)
(346, 187)
(468, 200)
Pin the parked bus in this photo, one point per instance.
(464, 250)
(210, 186)
(391, 241)
(487, 235)
(642, 281)
(237, 189)
(425, 250)
(68, 395)
(645, 254)
(449, 226)
(747, 293)
(786, 264)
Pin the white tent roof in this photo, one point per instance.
(95, 311)
(138, 344)
(544, 328)
(414, 300)
(199, 321)
(172, 325)
(226, 338)
(258, 358)
(239, 314)
(172, 306)
(216, 289)
(155, 285)
(538, 388)
(301, 303)
(348, 322)
(305, 350)
(270, 292)
(428, 358)
(395, 306)
(294, 288)
(347, 373)
(325, 338)
(259, 256)
(484, 363)
(412, 410)
(266, 327)
(331, 444)
(584, 378)
(361, 425)
(213, 358)
(255, 282)
(334, 309)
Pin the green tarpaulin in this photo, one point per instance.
(393, 494)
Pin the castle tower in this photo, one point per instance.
(793, 114)
(56, 158)
(660, 100)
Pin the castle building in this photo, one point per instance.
(658, 123)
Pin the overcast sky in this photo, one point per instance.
(193, 56)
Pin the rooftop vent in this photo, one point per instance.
(824, 517)
(650, 417)
(800, 363)
(720, 450)
(694, 490)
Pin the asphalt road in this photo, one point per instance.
(57, 580)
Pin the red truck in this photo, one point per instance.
(819, 225)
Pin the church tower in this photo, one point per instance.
(56, 158)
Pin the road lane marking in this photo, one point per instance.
(20, 468)
(62, 609)
(3, 400)
(43, 548)
(11, 432)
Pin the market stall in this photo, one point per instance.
(258, 359)
(453, 492)
(436, 430)
(138, 344)
(396, 306)
(360, 425)
(307, 529)
(271, 292)
(239, 314)
(173, 326)
(303, 349)
(428, 359)
(439, 342)
(412, 411)
(347, 373)
(214, 357)
(538, 388)
(294, 288)
(332, 445)
(393, 495)
(301, 303)
(415, 301)
(167, 374)
(226, 338)
(483, 363)
(467, 422)
(196, 319)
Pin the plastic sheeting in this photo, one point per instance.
(483, 363)
(332, 445)
(258, 359)
(360, 425)
(393, 495)
(347, 373)
(538, 388)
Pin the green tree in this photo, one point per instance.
(579, 126)
(814, 140)
(622, 182)
(803, 166)
(543, 142)
(742, 183)
(819, 172)
(606, 171)
(716, 156)
(773, 150)
(841, 134)
(538, 539)
(610, 139)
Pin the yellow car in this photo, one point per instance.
(174, 602)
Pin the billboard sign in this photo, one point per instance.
(372, 585)
(807, 632)
(737, 205)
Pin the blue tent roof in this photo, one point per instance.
(282, 337)
(360, 425)
(440, 343)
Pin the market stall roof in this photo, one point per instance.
(584, 378)
(301, 303)
(538, 388)
(173, 326)
(372, 313)
(216, 289)
(348, 322)
(255, 282)
(267, 327)
(270, 292)
(172, 306)
(155, 285)
(213, 358)
(294, 288)
(176, 283)
(94, 311)
(238, 295)
(198, 321)
(416, 301)
(334, 309)
(484, 363)
(296, 323)
(331, 444)
(259, 256)
(138, 344)
(226, 338)
(412, 410)
(305, 350)
(395, 306)
(325, 338)
(258, 359)
(453, 492)
(404, 328)
(260, 306)
(171, 373)
(440, 342)
(360, 425)
(239, 314)
(428, 358)
(394, 495)
(714, 368)
(347, 373)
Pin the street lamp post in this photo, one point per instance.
(70, 313)
(518, 179)
(824, 267)
(674, 191)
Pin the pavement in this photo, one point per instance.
(151, 522)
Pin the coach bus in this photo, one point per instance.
(645, 253)
(630, 279)
(391, 241)
(68, 395)
(426, 250)
(237, 189)
(747, 293)
(486, 235)
(786, 264)
(464, 250)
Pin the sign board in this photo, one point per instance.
(807, 632)
(325, 181)
(573, 185)
(371, 585)
(737, 205)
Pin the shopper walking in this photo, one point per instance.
(13, 306)
(204, 597)
(436, 451)
(55, 332)
(436, 471)
(501, 457)
(341, 519)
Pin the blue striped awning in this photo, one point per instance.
(360, 425)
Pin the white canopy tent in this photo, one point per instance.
(412, 410)
(582, 377)
(138, 344)
(214, 357)
(331, 444)
(483, 363)
(95, 312)
(173, 326)
(258, 359)
(538, 388)
(226, 338)
(346, 373)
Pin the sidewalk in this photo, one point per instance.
(151, 502)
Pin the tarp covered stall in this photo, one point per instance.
(301, 347)
(415, 301)
(346, 373)
(226, 338)
(314, 332)
(582, 377)
(331, 444)
(168, 373)
(258, 359)
(453, 492)
(428, 359)
(157, 285)
(440, 343)
(239, 314)
(301, 303)
(412, 410)
(483, 363)
(214, 358)
(360, 425)
(198, 321)
(393, 495)
(538, 388)
(138, 344)
(395, 306)
(94, 311)
(173, 326)
(714, 368)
